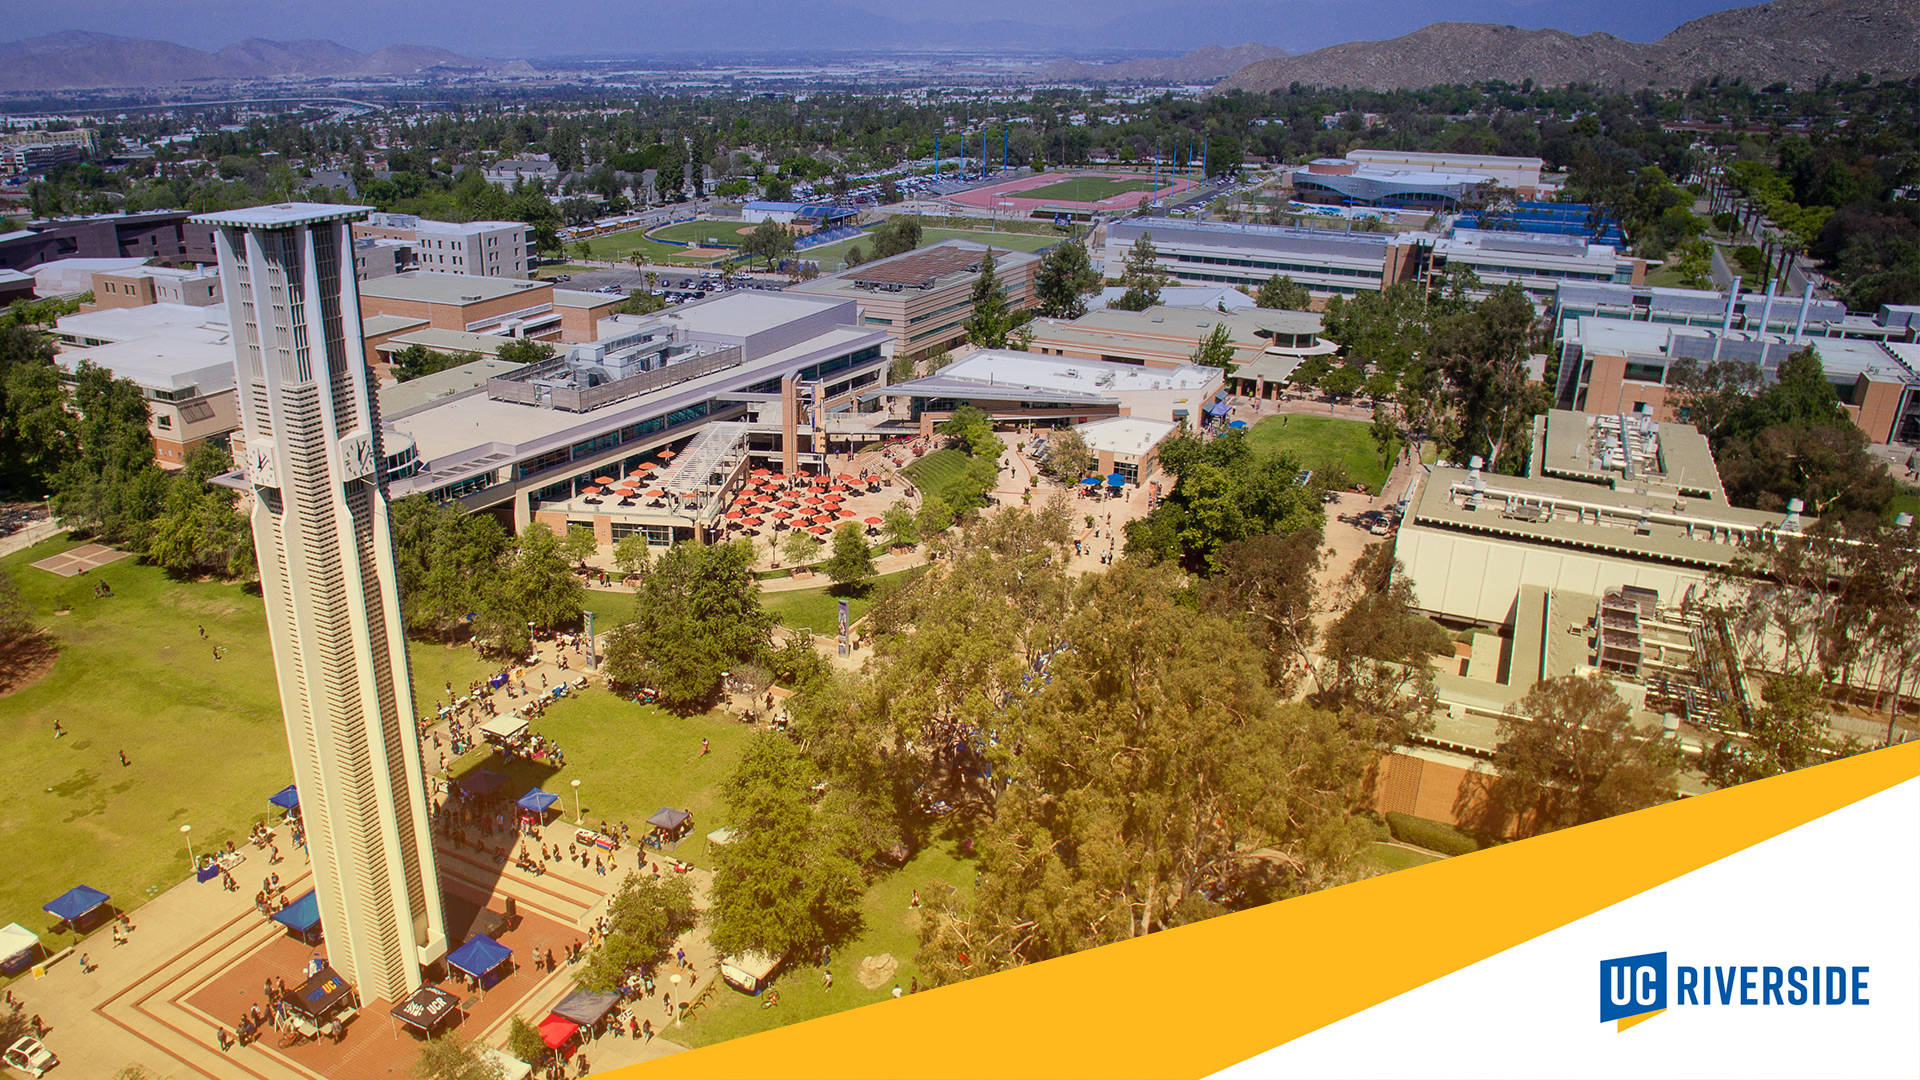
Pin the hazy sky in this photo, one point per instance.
(558, 27)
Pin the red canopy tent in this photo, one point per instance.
(556, 1030)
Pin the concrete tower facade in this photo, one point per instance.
(321, 533)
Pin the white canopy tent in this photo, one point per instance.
(509, 728)
(16, 939)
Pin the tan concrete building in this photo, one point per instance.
(314, 463)
(142, 285)
(1267, 343)
(1625, 366)
(177, 354)
(925, 297)
(504, 306)
(503, 249)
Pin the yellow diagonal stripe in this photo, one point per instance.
(1188, 1002)
(1626, 1022)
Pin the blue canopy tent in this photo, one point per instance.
(287, 798)
(1115, 480)
(537, 801)
(1219, 408)
(302, 917)
(76, 904)
(481, 959)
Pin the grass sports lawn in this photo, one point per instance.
(203, 737)
(699, 232)
(621, 246)
(631, 760)
(1317, 442)
(831, 256)
(1086, 189)
(936, 472)
(818, 609)
(890, 927)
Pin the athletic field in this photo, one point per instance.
(1088, 189)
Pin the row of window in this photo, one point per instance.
(1279, 267)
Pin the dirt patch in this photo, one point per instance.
(26, 662)
(876, 971)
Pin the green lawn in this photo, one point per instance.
(631, 760)
(891, 927)
(1905, 501)
(832, 256)
(818, 609)
(621, 246)
(133, 674)
(1394, 857)
(699, 232)
(1087, 189)
(936, 472)
(1317, 442)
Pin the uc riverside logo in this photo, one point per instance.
(1636, 988)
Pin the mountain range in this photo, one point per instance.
(81, 59)
(1792, 41)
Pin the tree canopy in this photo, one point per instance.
(1064, 277)
(697, 614)
(1574, 756)
(1280, 291)
(1141, 277)
(1221, 493)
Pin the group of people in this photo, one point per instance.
(16, 1006)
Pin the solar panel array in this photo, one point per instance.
(919, 269)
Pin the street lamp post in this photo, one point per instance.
(186, 831)
(578, 818)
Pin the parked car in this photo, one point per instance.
(30, 1056)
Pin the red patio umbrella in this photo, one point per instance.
(817, 529)
(603, 480)
(846, 513)
(763, 472)
(846, 478)
(755, 521)
(590, 490)
(833, 497)
(812, 500)
(873, 521)
(787, 503)
(665, 454)
(735, 515)
(783, 514)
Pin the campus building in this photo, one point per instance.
(27, 151)
(1626, 366)
(1329, 262)
(1609, 500)
(1267, 343)
(165, 237)
(475, 248)
(1801, 316)
(320, 526)
(1024, 387)
(197, 286)
(1342, 182)
(179, 355)
(924, 297)
(1521, 175)
(737, 381)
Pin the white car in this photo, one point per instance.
(30, 1057)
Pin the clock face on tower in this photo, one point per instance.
(357, 457)
(260, 468)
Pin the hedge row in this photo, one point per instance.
(1431, 835)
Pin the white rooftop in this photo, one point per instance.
(747, 312)
(1127, 435)
(1013, 368)
(283, 215)
(162, 363)
(432, 288)
(1181, 296)
(148, 321)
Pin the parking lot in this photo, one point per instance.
(676, 284)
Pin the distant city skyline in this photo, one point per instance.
(494, 28)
